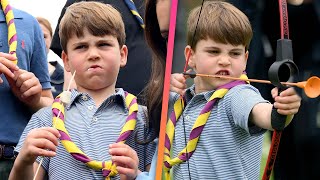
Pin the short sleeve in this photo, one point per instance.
(242, 100)
(40, 119)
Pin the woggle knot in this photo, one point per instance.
(167, 166)
(65, 97)
(109, 169)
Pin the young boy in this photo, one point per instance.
(92, 36)
(230, 143)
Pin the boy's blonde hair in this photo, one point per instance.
(221, 22)
(100, 19)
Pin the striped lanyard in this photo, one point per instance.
(186, 153)
(108, 167)
(130, 4)
(12, 33)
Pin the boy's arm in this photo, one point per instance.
(28, 171)
(287, 103)
(39, 142)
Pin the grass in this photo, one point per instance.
(265, 152)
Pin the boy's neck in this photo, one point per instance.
(201, 86)
(98, 95)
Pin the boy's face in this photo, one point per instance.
(214, 58)
(95, 59)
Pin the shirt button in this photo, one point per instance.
(188, 117)
(90, 107)
(94, 119)
(84, 97)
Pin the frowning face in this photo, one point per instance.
(215, 58)
(95, 59)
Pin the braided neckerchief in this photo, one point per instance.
(108, 168)
(186, 153)
(12, 33)
(135, 12)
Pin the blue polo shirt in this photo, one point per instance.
(31, 57)
(228, 147)
(92, 129)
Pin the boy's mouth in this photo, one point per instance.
(223, 73)
(93, 67)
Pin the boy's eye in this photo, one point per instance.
(104, 44)
(235, 53)
(80, 47)
(213, 52)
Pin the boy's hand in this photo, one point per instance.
(26, 87)
(39, 142)
(288, 102)
(126, 159)
(178, 83)
(7, 66)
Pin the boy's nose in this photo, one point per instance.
(93, 54)
(224, 60)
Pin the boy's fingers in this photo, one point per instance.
(7, 61)
(283, 106)
(8, 56)
(42, 152)
(124, 161)
(288, 92)
(5, 70)
(117, 145)
(288, 99)
(287, 112)
(45, 144)
(46, 132)
(274, 92)
(120, 152)
(126, 171)
(21, 76)
(32, 91)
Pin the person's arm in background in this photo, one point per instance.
(39, 67)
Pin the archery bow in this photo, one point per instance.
(282, 64)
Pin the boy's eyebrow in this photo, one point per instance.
(85, 42)
(236, 49)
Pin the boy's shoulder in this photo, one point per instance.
(242, 89)
(20, 14)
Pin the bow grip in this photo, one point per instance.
(283, 69)
(278, 121)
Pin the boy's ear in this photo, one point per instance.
(247, 55)
(65, 59)
(124, 55)
(246, 59)
(188, 53)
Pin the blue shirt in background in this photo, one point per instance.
(14, 115)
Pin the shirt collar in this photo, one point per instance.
(191, 92)
(17, 15)
(118, 97)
